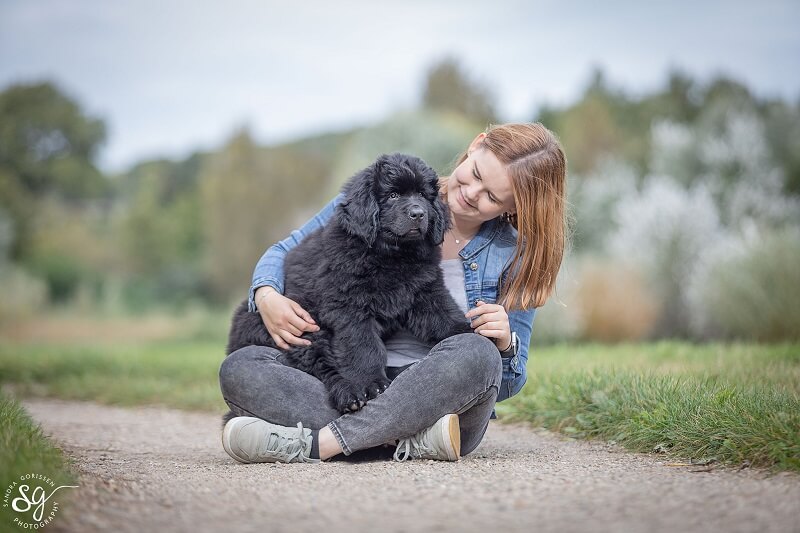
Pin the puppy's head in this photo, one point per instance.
(394, 201)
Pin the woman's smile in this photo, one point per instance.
(463, 201)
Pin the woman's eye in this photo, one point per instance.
(394, 196)
(476, 175)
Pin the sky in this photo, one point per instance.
(170, 77)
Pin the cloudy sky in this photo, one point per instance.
(172, 76)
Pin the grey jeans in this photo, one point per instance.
(461, 375)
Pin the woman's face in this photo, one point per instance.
(479, 189)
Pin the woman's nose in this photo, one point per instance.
(471, 194)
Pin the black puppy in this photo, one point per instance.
(373, 269)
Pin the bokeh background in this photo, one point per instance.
(151, 151)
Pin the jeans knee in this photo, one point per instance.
(227, 371)
(479, 355)
(233, 369)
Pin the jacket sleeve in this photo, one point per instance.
(269, 269)
(515, 373)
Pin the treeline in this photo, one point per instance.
(189, 232)
(182, 232)
(687, 214)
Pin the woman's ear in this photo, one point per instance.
(476, 142)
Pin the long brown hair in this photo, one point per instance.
(537, 167)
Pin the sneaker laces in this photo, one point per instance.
(413, 446)
(287, 448)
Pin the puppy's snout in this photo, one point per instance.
(416, 213)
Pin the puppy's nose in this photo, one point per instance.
(416, 212)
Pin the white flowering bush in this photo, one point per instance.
(695, 226)
(749, 287)
(664, 229)
(674, 151)
(592, 199)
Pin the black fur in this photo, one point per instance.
(373, 269)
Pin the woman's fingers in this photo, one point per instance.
(279, 341)
(297, 325)
(286, 321)
(302, 313)
(491, 326)
(489, 317)
(483, 319)
(480, 309)
(500, 336)
(292, 330)
(295, 340)
(294, 326)
(493, 333)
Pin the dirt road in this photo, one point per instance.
(154, 469)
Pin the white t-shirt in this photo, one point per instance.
(403, 348)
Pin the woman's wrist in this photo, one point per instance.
(262, 293)
(508, 347)
(512, 348)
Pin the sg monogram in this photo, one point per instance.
(35, 497)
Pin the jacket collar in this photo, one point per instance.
(486, 233)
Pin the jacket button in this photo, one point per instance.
(474, 266)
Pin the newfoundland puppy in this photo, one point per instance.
(371, 270)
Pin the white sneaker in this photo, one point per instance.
(252, 440)
(440, 442)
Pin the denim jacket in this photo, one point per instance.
(483, 258)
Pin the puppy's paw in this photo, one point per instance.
(347, 397)
(378, 386)
(372, 384)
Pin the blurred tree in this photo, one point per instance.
(47, 147)
(67, 249)
(437, 137)
(679, 101)
(447, 88)
(150, 229)
(782, 128)
(595, 128)
(160, 232)
(250, 198)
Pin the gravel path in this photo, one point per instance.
(155, 469)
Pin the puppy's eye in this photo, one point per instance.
(394, 196)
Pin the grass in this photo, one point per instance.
(736, 404)
(179, 374)
(733, 403)
(25, 450)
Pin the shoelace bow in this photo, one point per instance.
(289, 447)
(407, 447)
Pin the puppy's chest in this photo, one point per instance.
(392, 286)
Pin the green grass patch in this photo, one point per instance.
(731, 403)
(174, 374)
(25, 450)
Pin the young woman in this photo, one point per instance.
(500, 260)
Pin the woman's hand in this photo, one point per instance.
(491, 320)
(284, 318)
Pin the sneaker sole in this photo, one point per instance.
(450, 426)
(226, 437)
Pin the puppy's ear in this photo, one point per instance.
(440, 221)
(358, 210)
